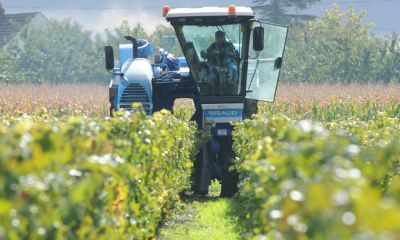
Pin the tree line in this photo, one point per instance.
(339, 48)
(336, 47)
(63, 52)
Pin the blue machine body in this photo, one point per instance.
(225, 79)
(222, 92)
(155, 85)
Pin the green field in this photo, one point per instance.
(79, 178)
(311, 169)
(333, 177)
(320, 163)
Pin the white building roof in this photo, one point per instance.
(208, 12)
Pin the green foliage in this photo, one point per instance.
(156, 38)
(207, 217)
(335, 180)
(276, 11)
(338, 48)
(61, 52)
(334, 48)
(334, 110)
(77, 178)
(137, 31)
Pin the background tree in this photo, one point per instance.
(156, 38)
(117, 35)
(339, 48)
(61, 52)
(126, 29)
(277, 11)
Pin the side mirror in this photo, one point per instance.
(258, 39)
(109, 55)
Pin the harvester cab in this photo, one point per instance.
(231, 61)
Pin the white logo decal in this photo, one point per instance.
(223, 113)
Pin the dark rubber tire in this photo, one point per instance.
(201, 193)
(229, 184)
(230, 177)
(197, 175)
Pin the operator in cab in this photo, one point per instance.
(222, 61)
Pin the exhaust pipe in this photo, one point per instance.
(135, 45)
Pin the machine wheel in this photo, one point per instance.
(196, 180)
(200, 175)
(250, 108)
(195, 185)
(230, 178)
(111, 112)
(229, 184)
(201, 193)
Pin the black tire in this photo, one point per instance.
(230, 178)
(197, 176)
(250, 108)
(196, 182)
(229, 184)
(111, 112)
(201, 193)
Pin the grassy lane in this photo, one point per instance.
(207, 217)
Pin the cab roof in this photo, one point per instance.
(208, 12)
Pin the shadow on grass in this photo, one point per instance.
(189, 197)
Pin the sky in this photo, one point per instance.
(97, 15)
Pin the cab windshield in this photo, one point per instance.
(214, 54)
